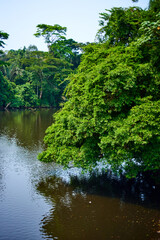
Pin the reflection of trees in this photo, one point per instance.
(27, 126)
(78, 214)
(61, 220)
(141, 190)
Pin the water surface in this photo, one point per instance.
(41, 201)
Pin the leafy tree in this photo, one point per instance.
(120, 26)
(63, 57)
(51, 33)
(48, 74)
(113, 108)
(3, 36)
(6, 91)
(67, 49)
(154, 6)
(25, 96)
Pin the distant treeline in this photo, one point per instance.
(32, 78)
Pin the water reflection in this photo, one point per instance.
(21, 207)
(26, 126)
(42, 201)
(99, 209)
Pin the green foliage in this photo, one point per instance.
(5, 85)
(25, 96)
(113, 108)
(154, 6)
(6, 91)
(135, 137)
(43, 72)
(51, 33)
(3, 36)
(120, 26)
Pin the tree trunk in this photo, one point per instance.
(7, 106)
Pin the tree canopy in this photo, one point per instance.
(3, 36)
(113, 108)
(37, 78)
(51, 33)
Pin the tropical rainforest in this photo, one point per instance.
(32, 78)
(108, 91)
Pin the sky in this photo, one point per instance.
(19, 19)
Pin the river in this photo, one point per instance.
(43, 201)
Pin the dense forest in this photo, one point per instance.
(32, 78)
(111, 102)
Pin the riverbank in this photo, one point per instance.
(27, 108)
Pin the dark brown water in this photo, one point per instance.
(41, 201)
